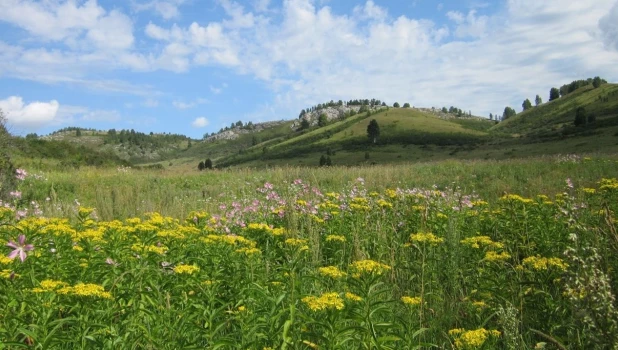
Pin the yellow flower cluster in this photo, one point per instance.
(426, 237)
(7, 274)
(352, 297)
(411, 300)
(324, 302)
(472, 339)
(83, 212)
(492, 256)
(248, 251)
(228, 239)
(333, 238)
(85, 290)
(332, 272)
(140, 248)
(390, 193)
(516, 198)
(186, 269)
(481, 241)
(418, 207)
(368, 267)
(49, 286)
(296, 242)
(540, 263)
(90, 235)
(384, 204)
(4, 260)
(608, 185)
(265, 228)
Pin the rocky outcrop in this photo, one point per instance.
(234, 133)
(332, 113)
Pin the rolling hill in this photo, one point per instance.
(339, 131)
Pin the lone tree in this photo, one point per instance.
(323, 160)
(406, 105)
(396, 104)
(554, 94)
(208, 164)
(373, 130)
(304, 124)
(581, 117)
(538, 100)
(508, 112)
(526, 105)
(322, 120)
(596, 82)
(200, 166)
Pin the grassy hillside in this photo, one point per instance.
(551, 116)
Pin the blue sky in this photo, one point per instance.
(194, 66)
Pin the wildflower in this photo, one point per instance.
(368, 267)
(186, 269)
(8, 274)
(109, 261)
(426, 238)
(569, 183)
(332, 238)
(20, 248)
(20, 174)
(332, 272)
(472, 339)
(352, 297)
(85, 290)
(325, 301)
(496, 257)
(478, 241)
(539, 263)
(413, 301)
(15, 194)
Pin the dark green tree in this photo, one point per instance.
(200, 166)
(328, 161)
(596, 82)
(304, 124)
(366, 155)
(554, 94)
(526, 105)
(323, 160)
(581, 117)
(373, 130)
(78, 133)
(322, 120)
(406, 105)
(254, 140)
(444, 110)
(538, 100)
(508, 112)
(208, 164)
(396, 104)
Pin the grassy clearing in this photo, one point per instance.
(447, 255)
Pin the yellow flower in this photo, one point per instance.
(516, 198)
(368, 267)
(390, 193)
(332, 238)
(352, 296)
(496, 257)
(411, 300)
(84, 211)
(242, 308)
(479, 304)
(324, 302)
(472, 339)
(186, 269)
(426, 237)
(539, 263)
(332, 272)
(85, 290)
(589, 190)
(481, 241)
(248, 251)
(51, 284)
(7, 274)
(4, 260)
(294, 242)
(384, 204)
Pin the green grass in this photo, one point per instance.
(553, 115)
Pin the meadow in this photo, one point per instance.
(517, 254)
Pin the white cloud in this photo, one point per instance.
(470, 25)
(30, 116)
(371, 11)
(187, 105)
(168, 9)
(609, 28)
(150, 103)
(200, 122)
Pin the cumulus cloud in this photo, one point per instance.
(470, 25)
(609, 28)
(31, 115)
(200, 122)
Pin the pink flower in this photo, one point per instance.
(15, 194)
(20, 248)
(21, 174)
(569, 183)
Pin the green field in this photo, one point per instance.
(511, 254)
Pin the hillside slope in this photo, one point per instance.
(601, 102)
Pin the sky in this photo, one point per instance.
(194, 66)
